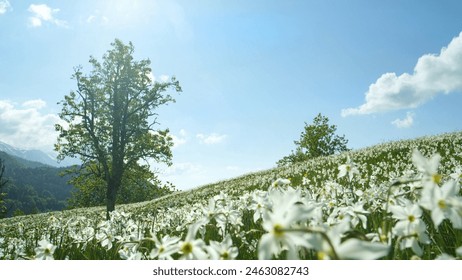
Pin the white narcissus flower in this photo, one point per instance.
(228, 216)
(357, 214)
(259, 204)
(223, 250)
(282, 199)
(279, 237)
(349, 168)
(130, 252)
(428, 168)
(444, 202)
(106, 237)
(164, 248)
(192, 248)
(211, 211)
(45, 250)
(280, 184)
(417, 234)
(281, 225)
(408, 217)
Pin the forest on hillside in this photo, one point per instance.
(33, 187)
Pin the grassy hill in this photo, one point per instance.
(397, 200)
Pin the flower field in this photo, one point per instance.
(398, 200)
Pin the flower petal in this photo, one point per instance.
(361, 250)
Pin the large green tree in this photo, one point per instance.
(109, 120)
(317, 139)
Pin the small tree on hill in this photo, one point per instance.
(318, 139)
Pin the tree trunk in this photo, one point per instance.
(112, 188)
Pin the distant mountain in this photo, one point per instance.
(33, 187)
(16, 161)
(35, 156)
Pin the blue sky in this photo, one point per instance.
(252, 72)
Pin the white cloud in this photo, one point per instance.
(91, 18)
(179, 140)
(184, 168)
(4, 6)
(35, 104)
(210, 139)
(97, 17)
(164, 78)
(26, 127)
(160, 79)
(186, 175)
(35, 22)
(406, 122)
(151, 77)
(43, 13)
(183, 132)
(433, 74)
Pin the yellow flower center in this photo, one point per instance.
(442, 204)
(436, 178)
(321, 255)
(325, 255)
(225, 255)
(411, 218)
(278, 230)
(187, 248)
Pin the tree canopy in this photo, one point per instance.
(109, 120)
(317, 139)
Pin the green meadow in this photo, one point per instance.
(397, 200)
